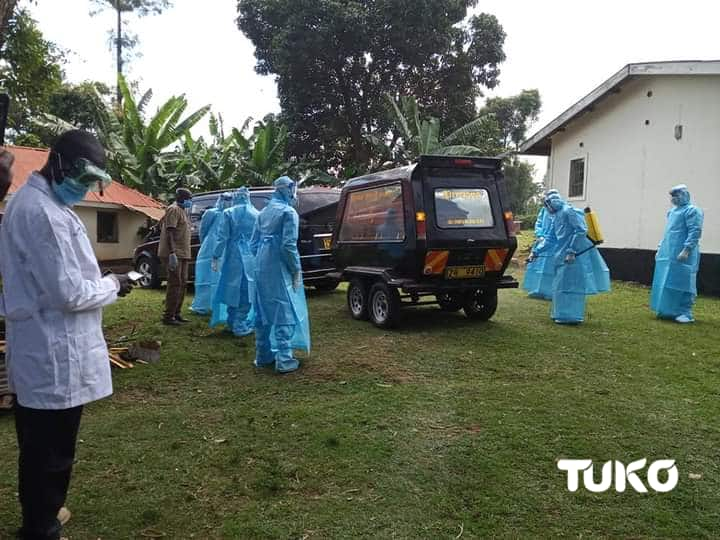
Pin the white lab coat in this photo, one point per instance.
(53, 294)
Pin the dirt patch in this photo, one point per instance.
(378, 356)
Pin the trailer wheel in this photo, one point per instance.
(357, 300)
(450, 302)
(384, 305)
(481, 304)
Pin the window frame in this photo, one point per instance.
(461, 227)
(583, 196)
(343, 222)
(116, 222)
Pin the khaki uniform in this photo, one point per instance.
(177, 218)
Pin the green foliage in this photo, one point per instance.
(78, 103)
(416, 136)
(485, 135)
(138, 7)
(7, 8)
(31, 72)
(335, 61)
(521, 187)
(514, 115)
(144, 139)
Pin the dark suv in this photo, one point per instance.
(317, 207)
(439, 230)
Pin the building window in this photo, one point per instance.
(107, 227)
(374, 215)
(576, 189)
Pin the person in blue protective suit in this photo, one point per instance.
(205, 279)
(540, 270)
(677, 260)
(579, 268)
(282, 322)
(235, 288)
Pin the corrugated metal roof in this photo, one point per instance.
(28, 160)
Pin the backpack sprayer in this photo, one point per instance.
(594, 233)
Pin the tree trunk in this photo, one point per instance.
(118, 45)
(6, 10)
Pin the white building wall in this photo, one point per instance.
(631, 164)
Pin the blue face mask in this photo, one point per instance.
(70, 191)
(187, 204)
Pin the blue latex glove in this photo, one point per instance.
(172, 262)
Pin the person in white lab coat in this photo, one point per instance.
(53, 295)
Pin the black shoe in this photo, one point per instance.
(170, 322)
(181, 319)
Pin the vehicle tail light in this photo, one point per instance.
(495, 259)
(463, 162)
(510, 224)
(421, 226)
(435, 262)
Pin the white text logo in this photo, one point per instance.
(624, 475)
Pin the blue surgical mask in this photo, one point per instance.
(70, 191)
(187, 204)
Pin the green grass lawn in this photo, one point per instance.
(440, 428)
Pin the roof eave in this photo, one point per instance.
(541, 142)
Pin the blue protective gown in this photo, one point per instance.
(205, 279)
(674, 282)
(235, 288)
(540, 273)
(573, 281)
(282, 323)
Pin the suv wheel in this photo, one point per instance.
(326, 285)
(149, 269)
(357, 300)
(384, 306)
(481, 304)
(450, 302)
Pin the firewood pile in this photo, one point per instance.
(142, 352)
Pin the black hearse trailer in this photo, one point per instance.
(439, 228)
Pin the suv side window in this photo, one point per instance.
(259, 200)
(374, 215)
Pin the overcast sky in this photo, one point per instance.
(562, 47)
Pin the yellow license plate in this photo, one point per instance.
(327, 243)
(464, 272)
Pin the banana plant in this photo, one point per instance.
(419, 136)
(147, 139)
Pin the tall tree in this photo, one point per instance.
(123, 40)
(514, 114)
(78, 103)
(521, 186)
(335, 60)
(31, 72)
(7, 8)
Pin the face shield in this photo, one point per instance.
(87, 174)
(226, 201)
(286, 187)
(553, 203)
(679, 195)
